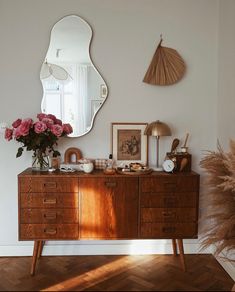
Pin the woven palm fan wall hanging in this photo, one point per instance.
(167, 67)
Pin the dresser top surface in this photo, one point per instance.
(100, 173)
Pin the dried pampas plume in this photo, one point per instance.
(220, 200)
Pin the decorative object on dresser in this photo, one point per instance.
(129, 144)
(167, 67)
(72, 155)
(69, 77)
(182, 161)
(169, 165)
(100, 163)
(78, 206)
(174, 145)
(220, 199)
(157, 129)
(40, 137)
(184, 148)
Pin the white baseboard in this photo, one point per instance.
(104, 247)
(229, 267)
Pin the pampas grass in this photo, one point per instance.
(219, 218)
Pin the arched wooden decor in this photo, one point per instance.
(167, 67)
(70, 152)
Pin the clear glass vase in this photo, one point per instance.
(40, 161)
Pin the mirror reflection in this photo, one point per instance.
(73, 89)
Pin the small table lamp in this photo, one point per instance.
(157, 129)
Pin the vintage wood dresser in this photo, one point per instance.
(77, 206)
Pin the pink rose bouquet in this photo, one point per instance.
(40, 136)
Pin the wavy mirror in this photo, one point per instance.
(73, 89)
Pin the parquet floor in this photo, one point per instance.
(114, 273)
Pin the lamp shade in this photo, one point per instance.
(157, 129)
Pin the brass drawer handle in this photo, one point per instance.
(50, 231)
(168, 229)
(50, 185)
(50, 216)
(110, 184)
(49, 201)
(169, 214)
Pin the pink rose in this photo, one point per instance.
(57, 130)
(52, 117)
(23, 129)
(40, 127)
(58, 121)
(48, 122)
(8, 134)
(16, 123)
(17, 133)
(67, 129)
(41, 116)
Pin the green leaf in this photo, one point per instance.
(19, 152)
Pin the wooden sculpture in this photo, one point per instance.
(167, 67)
(68, 155)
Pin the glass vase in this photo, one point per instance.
(40, 161)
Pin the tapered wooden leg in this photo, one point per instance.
(40, 247)
(181, 249)
(174, 246)
(34, 260)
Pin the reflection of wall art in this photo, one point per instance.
(167, 67)
(129, 144)
(103, 91)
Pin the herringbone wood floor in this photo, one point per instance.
(114, 273)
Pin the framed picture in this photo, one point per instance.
(103, 91)
(129, 144)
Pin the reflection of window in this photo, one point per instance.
(68, 99)
(51, 85)
(58, 100)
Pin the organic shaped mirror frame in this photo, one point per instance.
(73, 89)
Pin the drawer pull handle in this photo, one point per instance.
(169, 214)
(110, 184)
(168, 229)
(169, 201)
(50, 216)
(170, 186)
(51, 231)
(50, 185)
(49, 201)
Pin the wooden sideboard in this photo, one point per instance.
(77, 206)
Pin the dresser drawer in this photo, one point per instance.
(48, 184)
(48, 231)
(168, 200)
(169, 184)
(49, 200)
(49, 216)
(168, 215)
(168, 230)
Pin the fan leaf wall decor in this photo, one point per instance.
(167, 67)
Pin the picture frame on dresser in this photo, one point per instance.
(129, 144)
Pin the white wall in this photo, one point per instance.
(126, 34)
(226, 86)
(226, 76)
